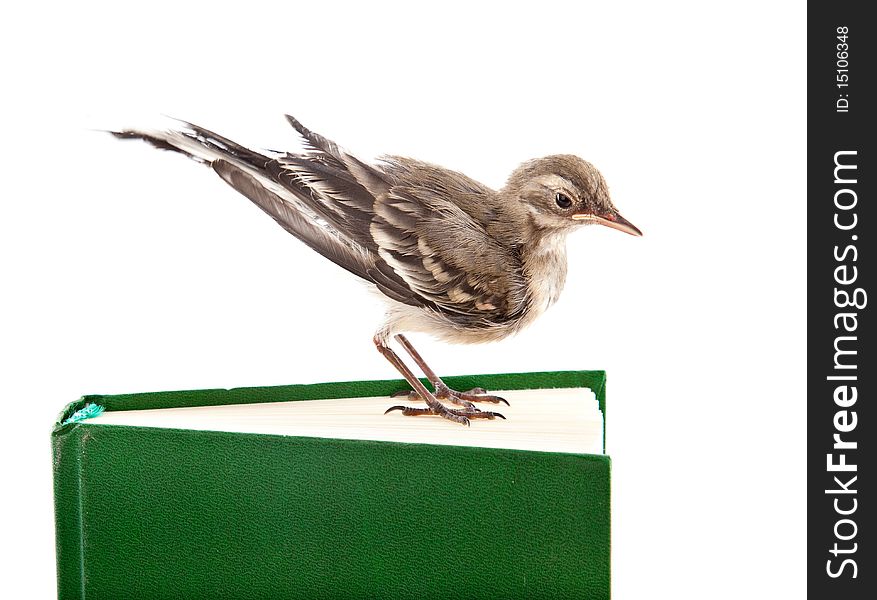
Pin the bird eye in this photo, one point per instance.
(562, 200)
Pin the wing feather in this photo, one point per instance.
(430, 243)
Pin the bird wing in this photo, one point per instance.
(427, 250)
(398, 227)
(344, 190)
(446, 257)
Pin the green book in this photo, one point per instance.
(223, 494)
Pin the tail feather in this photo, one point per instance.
(223, 145)
(156, 140)
(324, 197)
(194, 142)
(321, 239)
(293, 207)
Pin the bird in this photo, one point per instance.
(451, 257)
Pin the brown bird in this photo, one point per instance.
(452, 257)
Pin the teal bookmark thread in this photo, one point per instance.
(88, 411)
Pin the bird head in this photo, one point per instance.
(563, 191)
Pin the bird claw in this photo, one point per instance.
(409, 411)
(484, 414)
(475, 394)
(487, 398)
(462, 399)
(461, 416)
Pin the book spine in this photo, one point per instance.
(66, 461)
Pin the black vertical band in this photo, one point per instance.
(841, 367)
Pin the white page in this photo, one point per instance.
(556, 420)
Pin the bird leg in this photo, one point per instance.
(442, 391)
(434, 406)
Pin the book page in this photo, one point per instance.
(553, 420)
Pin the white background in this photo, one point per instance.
(127, 269)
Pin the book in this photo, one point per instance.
(309, 491)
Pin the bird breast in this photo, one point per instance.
(545, 268)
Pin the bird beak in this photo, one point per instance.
(614, 221)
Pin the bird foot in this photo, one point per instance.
(461, 416)
(464, 399)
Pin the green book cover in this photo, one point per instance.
(145, 512)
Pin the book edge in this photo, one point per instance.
(67, 487)
(595, 380)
